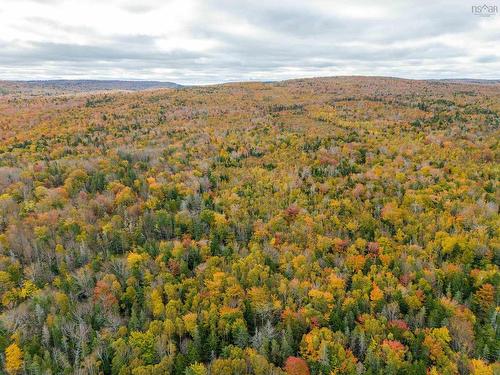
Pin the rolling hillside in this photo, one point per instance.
(342, 225)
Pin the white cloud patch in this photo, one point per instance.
(206, 41)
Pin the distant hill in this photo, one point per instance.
(92, 85)
(66, 86)
(73, 86)
(469, 81)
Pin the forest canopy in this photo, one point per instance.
(322, 226)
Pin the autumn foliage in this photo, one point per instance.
(321, 226)
(296, 366)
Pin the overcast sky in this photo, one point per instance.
(208, 41)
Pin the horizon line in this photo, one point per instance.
(48, 80)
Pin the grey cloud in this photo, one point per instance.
(41, 51)
(138, 8)
(488, 59)
(410, 22)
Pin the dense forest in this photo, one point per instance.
(321, 226)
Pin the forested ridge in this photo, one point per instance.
(321, 226)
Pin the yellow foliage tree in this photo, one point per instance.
(157, 303)
(13, 359)
(479, 367)
(376, 294)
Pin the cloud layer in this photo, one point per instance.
(207, 41)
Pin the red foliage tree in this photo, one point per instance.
(296, 366)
